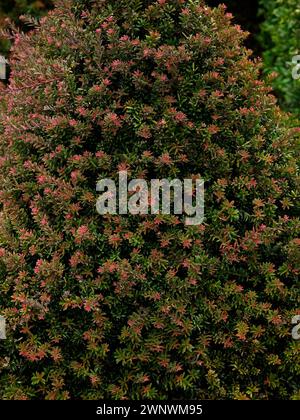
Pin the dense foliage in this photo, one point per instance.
(245, 13)
(144, 306)
(280, 39)
(13, 9)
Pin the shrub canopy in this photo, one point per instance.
(13, 9)
(144, 306)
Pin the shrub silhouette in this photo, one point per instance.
(143, 306)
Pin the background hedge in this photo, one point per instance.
(280, 38)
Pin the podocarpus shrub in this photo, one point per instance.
(245, 13)
(13, 9)
(143, 306)
(280, 37)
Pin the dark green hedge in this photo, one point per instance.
(280, 38)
